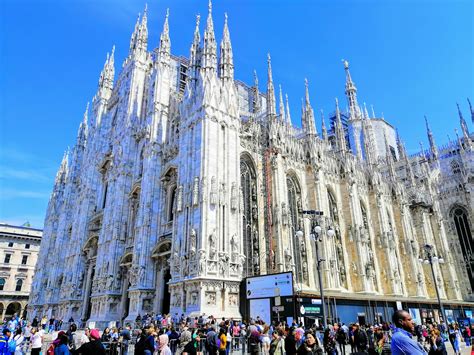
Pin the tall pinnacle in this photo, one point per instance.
(165, 42)
(288, 115)
(195, 54)
(271, 105)
(433, 147)
(282, 107)
(464, 128)
(339, 130)
(209, 55)
(82, 132)
(389, 158)
(324, 131)
(226, 66)
(472, 111)
(351, 93)
(308, 112)
(256, 94)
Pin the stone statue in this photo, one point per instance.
(179, 199)
(196, 191)
(192, 240)
(202, 261)
(233, 196)
(234, 243)
(212, 244)
(284, 214)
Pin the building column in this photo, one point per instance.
(87, 295)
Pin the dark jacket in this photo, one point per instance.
(304, 349)
(94, 347)
(290, 345)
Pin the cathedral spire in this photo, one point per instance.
(433, 147)
(164, 51)
(389, 158)
(106, 79)
(339, 130)
(134, 37)
(282, 107)
(366, 113)
(351, 93)
(288, 115)
(324, 131)
(256, 93)
(82, 132)
(400, 147)
(464, 128)
(195, 54)
(472, 111)
(226, 66)
(271, 105)
(308, 112)
(209, 55)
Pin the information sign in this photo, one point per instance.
(270, 285)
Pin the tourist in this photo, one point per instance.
(402, 342)
(125, 337)
(341, 338)
(4, 341)
(78, 339)
(18, 338)
(163, 345)
(265, 338)
(222, 341)
(329, 341)
(277, 345)
(436, 343)
(61, 347)
(35, 322)
(211, 341)
(360, 338)
(36, 340)
(93, 347)
(310, 346)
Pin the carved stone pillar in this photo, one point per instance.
(87, 293)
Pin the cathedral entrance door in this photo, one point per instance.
(165, 303)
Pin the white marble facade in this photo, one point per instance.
(183, 181)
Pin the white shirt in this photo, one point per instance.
(36, 339)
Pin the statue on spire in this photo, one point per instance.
(351, 94)
(433, 147)
(226, 65)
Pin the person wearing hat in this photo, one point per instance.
(94, 347)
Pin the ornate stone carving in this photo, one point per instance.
(135, 275)
(210, 298)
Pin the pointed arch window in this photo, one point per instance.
(463, 230)
(249, 205)
(295, 224)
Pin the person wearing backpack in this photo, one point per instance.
(62, 347)
(16, 344)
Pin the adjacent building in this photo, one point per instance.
(19, 248)
(184, 181)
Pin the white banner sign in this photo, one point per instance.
(270, 286)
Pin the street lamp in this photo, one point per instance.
(431, 258)
(316, 236)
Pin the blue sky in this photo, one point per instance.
(408, 59)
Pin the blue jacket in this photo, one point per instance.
(403, 344)
(61, 350)
(4, 345)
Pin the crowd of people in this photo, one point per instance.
(173, 335)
